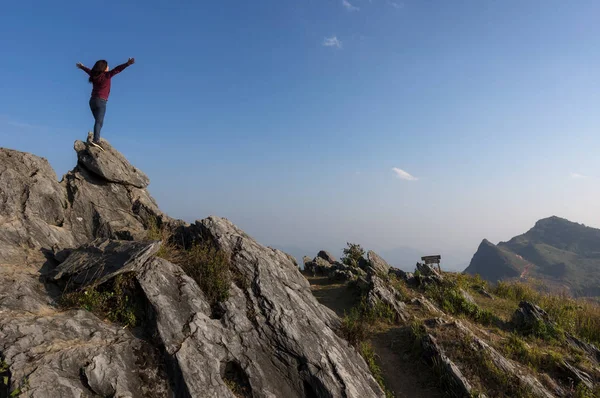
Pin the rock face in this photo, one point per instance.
(270, 338)
(100, 261)
(32, 207)
(377, 263)
(109, 164)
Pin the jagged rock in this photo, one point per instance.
(427, 275)
(100, 261)
(379, 264)
(109, 164)
(326, 256)
(273, 332)
(379, 291)
(32, 207)
(590, 349)
(578, 375)
(342, 275)
(434, 353)
(505, 365)
(399, 273)
(528, 316)
(509, 367)
(423, 302)
(101, 209)
(73, 354)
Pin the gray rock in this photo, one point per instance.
(100, 261)
(590, 350)
(528, 316)
(342, 275)
(423, 302)
(109, 164)
(378, 263)
(505, 365)
(101, 209)
(326, 256)
(32, 208)
(381, 292)
(274, 331)
(578, 375)
(71, 354)
(398, 273)
(435, 354)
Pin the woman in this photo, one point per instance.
(100, 77)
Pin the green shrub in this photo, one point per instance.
(204, 263)
(366, 351)
(451, 300)
(117, 300)
(353, 255)
(209, 267)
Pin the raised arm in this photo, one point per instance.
(121, 67)
(83, 68)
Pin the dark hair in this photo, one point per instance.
(98, 69)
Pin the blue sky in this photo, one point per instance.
(297, 119)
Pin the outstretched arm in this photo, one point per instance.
(121, 67)
(83, 68)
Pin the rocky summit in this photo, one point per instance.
(102, 294)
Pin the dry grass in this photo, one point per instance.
(576, 316)
(204, 263)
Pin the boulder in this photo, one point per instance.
(326, 256)
(32, 208)
(381, 292)
(379, 264)
(109, 164)
(398, 273)
(528, 317)
(100, 261)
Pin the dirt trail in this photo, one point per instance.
(403, 376)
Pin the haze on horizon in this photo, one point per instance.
(407, 127)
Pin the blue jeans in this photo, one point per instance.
(98, 107)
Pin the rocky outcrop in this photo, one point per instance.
(100, 261)
(270, 338)
(100, 198)
(435, 355)
(379, 265)
(32, 208)
(325, 255)
(528, 317)
(326, 265)
(381, 292)
(109, 164)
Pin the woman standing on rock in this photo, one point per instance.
(100, 77)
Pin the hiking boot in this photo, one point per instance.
(97, 145)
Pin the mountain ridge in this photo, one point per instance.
(562, 254)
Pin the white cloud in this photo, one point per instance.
(332, 42)
(403, 175)
(395, 4)
(349, 6)
(578, 176)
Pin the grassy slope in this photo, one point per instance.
(490, 320)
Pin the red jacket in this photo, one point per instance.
(101, 83)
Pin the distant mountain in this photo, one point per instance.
(560, 253)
